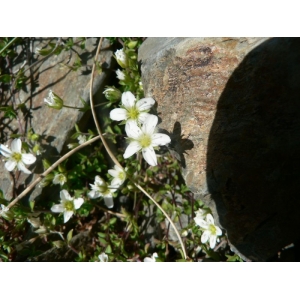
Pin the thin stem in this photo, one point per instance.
(3, 49)
(114, 159)
(50, 169)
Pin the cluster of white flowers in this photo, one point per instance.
(207, 224)
(16, 158)
(100, 188)
(140, 127)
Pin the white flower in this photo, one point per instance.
(145, 139)
(103, 257)
(211, 231)
(118, 174)
(200, 215)
(15, 158)
(121, 58)
(54, 101)
(101, 188)
(132, 109)
(68, 205)
(81, 139)
(120, 75)
(3, 210)
(59, 179)
(152, 258)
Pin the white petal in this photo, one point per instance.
(150, 124)
(212, 241)
(132, 148)
(22, 168)
(94, 194)
(150, 156)
(28, 159)
(132, 129)
(78, 202)
(210, 219)
(109, 202)
(5, 151)
(218, 230)
(142, 117)
(128, 99)
(160, 139)
(57, 208)
(201, 222)
(205, 236)
(103, 257)
(117, 181)
(64, 195)
(145, 104)
(113, 172)
(10, 165)
(118, 114)
(16, 145)
(67, 215)
(149, 259)
(99, 181)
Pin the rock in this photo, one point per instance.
(231, 106)
(54, 126)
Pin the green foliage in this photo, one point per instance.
(122, 232)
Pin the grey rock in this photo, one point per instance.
(231, 106)
(54, 126)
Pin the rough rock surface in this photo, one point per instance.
(54, 126)
(232, 108)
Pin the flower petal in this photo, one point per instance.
(205, 236)
(10, 165)
(128, 99)
(78, 202)
(201, 222)
(16, 145)
(28, 159)
(150, 156)
(149, 125)
(210, 219)
(113, 172)
(57, 208)
(5, 151)
(145, 104)
(117, 181)
(132, 130)
(64, 195)
(160, 139)
(109, 202)
(118, 114)
(132, 148)
(142, 117)
(212, 241)
(22, 168)
(99, 181)
(67, 215)
(218, 230)
(94, 194)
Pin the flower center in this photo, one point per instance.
(133, 113)
(102, 188)
(121, 175)
(16, 156)
(212, 229)
(145, 141)
(69, 205)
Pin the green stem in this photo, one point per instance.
(3, 49)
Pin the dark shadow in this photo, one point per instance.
(253, 158)
(179, 145)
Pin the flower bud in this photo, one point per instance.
(54, 101)
(121, 58)
(112, 94)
